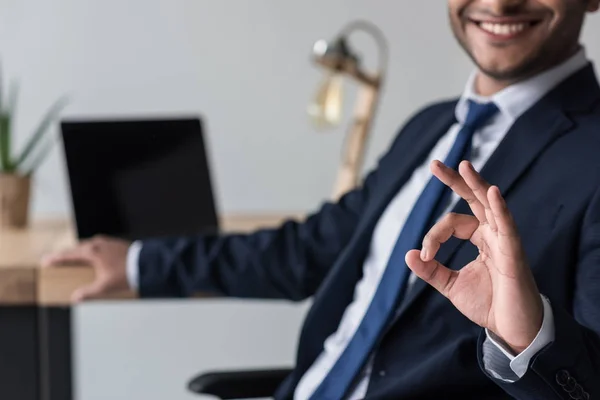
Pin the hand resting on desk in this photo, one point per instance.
(108, 257)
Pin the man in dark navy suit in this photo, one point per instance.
(419, 291)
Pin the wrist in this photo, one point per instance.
(520, 343)
(519, 348)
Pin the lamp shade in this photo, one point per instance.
(335, 56)
(338, 56)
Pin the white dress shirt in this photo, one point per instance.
(512, 102)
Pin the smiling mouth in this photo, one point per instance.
(505, 29)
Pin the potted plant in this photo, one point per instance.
(17, 168)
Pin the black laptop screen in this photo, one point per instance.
(139, 178)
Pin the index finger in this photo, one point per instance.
(461, 226)
(78, 254)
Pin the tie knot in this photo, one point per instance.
(479, 113)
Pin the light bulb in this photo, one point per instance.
(326, 110)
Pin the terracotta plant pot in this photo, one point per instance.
(14, 200)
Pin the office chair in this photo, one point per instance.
(239, 384)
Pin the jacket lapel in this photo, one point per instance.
(527, 139)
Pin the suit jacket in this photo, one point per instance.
(548, 169)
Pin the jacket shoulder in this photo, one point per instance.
(421, 120)
(431, 112)
(436, 108)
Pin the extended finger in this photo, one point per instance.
(507, 228)
(479, 186)
(461, 226)
(454, 181)
(81, 253)
(432, 272)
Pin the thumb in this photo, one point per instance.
(90, 291)
(432, 272)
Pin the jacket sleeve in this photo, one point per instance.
(569, 367)
(286, 262)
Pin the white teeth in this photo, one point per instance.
(502, 29)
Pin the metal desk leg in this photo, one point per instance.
(55, 353)
(19, 377)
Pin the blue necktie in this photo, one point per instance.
(426, 211)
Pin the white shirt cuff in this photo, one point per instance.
(133, 256)
(520, 363)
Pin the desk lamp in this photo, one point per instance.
(340, 60)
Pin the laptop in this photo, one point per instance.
(139, 178)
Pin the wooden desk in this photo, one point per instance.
(35, 312)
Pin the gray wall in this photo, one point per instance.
(244, 65)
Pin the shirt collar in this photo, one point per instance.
(514, 100)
